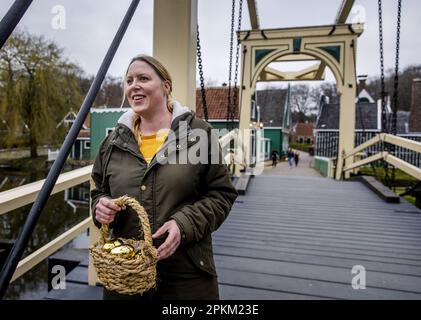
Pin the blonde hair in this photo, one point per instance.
(163, 74)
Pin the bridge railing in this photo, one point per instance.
(225, 142)
(26, 194)
(386, 156)
(234, 155)
(21, 196)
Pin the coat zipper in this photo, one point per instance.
(153, 162)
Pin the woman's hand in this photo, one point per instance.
(106, 210)
(173, 239)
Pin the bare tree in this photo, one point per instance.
(303, 104)
(405, 85)
(329, 89)
(111, 93)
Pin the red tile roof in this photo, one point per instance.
(216, 100)
(304, 129)
(84, 133)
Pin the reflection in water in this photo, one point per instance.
(62, 211)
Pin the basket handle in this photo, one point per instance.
(143, 217)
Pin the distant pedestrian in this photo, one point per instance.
(274, 157)
(231, 165)
(290, 157)
(296, 158)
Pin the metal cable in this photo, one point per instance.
(383, 93)
(237, 58)
(202, 80)
(230, 62)
(396, 87)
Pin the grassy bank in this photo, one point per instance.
(402, 180)
(24, 164)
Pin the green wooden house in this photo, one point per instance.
(103, 121)
(274, 108)
(81, 147)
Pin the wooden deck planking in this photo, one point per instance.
(78, 275)
(232, 292)
(76, 291)
(321, 233)
(316, 243)
(298, 238)
(311, 258)
(323, 273)
(306, 286)
(302, 236)
(332, 251)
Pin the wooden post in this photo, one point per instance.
(246, 91)
(94, 235)
(174, 45)
(347, 111)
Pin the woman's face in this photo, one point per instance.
(144, 89)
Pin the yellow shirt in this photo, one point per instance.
(149, 145)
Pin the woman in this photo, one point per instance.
(185, 201)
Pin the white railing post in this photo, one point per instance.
(93, 238)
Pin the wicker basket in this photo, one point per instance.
(127, 276)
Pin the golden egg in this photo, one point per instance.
(118, 242)
(108, 246)
(111, 244)
(125, 251)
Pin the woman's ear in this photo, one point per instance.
(167, 87)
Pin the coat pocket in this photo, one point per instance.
(202, 255)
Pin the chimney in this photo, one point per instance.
(324, 99)
(361, 82)
(415, 114)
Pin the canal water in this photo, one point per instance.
(62, 211)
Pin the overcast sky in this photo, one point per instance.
(91, 25)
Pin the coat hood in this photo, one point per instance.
(178, 110)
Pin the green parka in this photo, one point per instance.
(197, 196)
